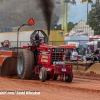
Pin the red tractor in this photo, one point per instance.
(41, 59)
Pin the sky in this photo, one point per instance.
(78, 12)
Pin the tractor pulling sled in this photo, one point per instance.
(40, 59)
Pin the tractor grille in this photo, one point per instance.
(57, 55)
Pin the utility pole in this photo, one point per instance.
(87, 11)
(62, 27)
(66, 17)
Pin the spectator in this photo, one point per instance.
(67, 55)
(71, 51)
(74, 55)
(97, 51)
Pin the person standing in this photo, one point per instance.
(74, 55)
(67, 55)
(97, 51)
(71, 51)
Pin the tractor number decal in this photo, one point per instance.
(43, 60)
(46, 57)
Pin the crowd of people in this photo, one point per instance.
(71, 55)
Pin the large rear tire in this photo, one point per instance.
(25, 64)
(43, 74)
(69, 77)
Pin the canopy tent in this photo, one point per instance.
(95, 36)
(92, 43)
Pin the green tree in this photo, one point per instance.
(94, 18)
(70, 26)
(59, 27)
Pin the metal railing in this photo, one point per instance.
(54, 43)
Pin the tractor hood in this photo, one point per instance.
(50, 48)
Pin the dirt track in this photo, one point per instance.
(79, 89)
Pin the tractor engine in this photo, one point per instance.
(50, 55)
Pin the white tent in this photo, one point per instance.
(92, 43)
(95, 42)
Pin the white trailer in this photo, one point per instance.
(82, 40)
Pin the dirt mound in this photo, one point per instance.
(89, 75)
(94, 68)
(79, 66)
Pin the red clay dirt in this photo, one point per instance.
(92, 75)
(79, 89)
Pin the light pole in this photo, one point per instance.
(66, 17)
(62, 27)
(87, 11)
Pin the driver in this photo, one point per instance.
(37, 40)
(37, 37)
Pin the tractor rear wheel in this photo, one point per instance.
(68, 77)
(25, 64)
(43, 74)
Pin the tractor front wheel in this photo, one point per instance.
(68, 77)
(43, 74)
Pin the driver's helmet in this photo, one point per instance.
(37, 37)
